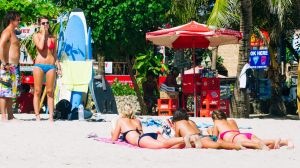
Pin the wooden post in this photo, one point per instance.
(101, 71)
(214, 58)
(43, 98)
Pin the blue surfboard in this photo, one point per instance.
(89, 44)
(75, 37)
(75, 45)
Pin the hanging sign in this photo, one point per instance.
(259, 59)
(108, 67)
(296, 41)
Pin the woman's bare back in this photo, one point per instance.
(186, 127)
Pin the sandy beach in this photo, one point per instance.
(64, 144)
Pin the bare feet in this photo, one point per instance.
(262, 146)
(4, 117)
(37, 117)
(277, 143)
(187, 141)
(287, 143)
(51, 119)
(290, 144)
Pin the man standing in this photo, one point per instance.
(9, 69)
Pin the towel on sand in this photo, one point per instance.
(108, 140)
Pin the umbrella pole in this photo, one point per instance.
(194, 82)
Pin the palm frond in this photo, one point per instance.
(224, 13)
(280, 8)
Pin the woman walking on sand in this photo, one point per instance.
(45, 63)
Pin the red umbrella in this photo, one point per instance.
(194, 35)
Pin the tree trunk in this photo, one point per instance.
(241, 98)
(136, 87)
(277, 106)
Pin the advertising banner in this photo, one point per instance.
(259, 59)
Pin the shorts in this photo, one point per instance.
(10, 80)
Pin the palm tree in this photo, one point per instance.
(270, 15)
(221, 16)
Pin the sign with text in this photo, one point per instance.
(259, 59)
(108, 67)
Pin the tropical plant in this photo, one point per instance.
(148, 63)
(121, 89)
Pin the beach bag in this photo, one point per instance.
(62, 109)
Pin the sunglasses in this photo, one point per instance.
(45, 23)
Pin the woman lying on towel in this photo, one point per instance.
(228, 131)
(193, 136)
(132, 133)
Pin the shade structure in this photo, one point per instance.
(194, 35)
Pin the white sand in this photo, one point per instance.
(30, 144)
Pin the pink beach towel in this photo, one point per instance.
(108, 140)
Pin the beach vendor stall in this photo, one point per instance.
(194, 35)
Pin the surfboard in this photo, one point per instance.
(75, 35)
(89, 44)
(103, 97)
(75, 45)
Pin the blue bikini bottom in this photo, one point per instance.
(45, 67)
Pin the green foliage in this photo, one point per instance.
(120, 89)
(30, 10)
(119, 26)
(225, 13)
(148, 62)
(182, 12)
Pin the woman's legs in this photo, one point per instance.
(38, 76)
(149, 142)
(50, 79)
(245, 142)
(272, 144)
